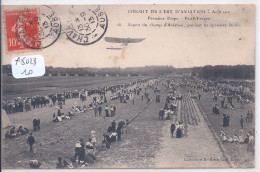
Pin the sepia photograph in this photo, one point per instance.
(128, 86)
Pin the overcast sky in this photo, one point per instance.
(179, 47)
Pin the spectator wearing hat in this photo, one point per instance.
(31, 141)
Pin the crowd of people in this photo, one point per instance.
(177, 129)
(170, 106)
(249, 139)
(85, 151)
(28, 103)
(13, 132)
(226, 92)
(242, 91)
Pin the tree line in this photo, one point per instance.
(207, 72)
(147, 70)
(223, 71)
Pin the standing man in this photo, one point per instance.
(161, 114)
(38, 123)
(82, 151)
(118, 130)
(222, 103)
(112, 111)
(31, 141)
(247, 117)
(224, 120)
(251, 144)
(99, 110)
(228, 119)
(242, 121)
(34, 124)
(113, 125)
(114, 108)
(77, 151)
(106, 110)
(199, 95)
(172, 128)
(95, 110)
(60, 105)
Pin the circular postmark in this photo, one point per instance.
(38, 31)
(86, 26)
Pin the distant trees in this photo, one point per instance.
(207, 72)
(222, 71)
(133, 71)
(6, 69)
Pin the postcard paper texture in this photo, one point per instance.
(128, 86)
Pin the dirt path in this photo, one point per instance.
(139, 146)
(196, 149)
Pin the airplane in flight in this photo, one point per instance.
(123, 41)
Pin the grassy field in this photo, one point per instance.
(138, 148)
(58, 139)
(237, 152)
(13, 88)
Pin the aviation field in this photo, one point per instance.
(147, 143)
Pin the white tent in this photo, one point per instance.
(5, 119)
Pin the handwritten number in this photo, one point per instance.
(28, 73)
(25, 61)
(17, 60)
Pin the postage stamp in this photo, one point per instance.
(11, 18)
(37, 32)
(32, 29)
(87, 26)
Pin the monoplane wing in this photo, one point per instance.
(123, 40)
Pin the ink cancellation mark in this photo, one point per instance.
(11, 20)
(87, 26)
(38, 31)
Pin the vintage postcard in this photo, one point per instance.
(128, 86)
